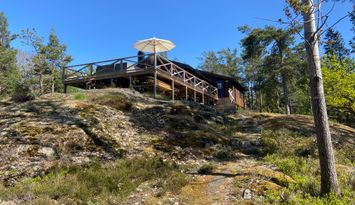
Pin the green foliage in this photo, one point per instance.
(295, 155)
(352, 19)
(205, 169)
(334, 44)
(9, 74)
(286, 142)
(274, 67)
(48, 60)
(225, 62)
(97, 183)
(23, 92)
(79, 96)
(339, 88)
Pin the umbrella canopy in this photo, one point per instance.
(154, 45)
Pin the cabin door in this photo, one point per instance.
(220, 87)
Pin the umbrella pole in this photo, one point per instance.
(155, 73)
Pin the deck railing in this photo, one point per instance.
(88, 72)
(184, 76)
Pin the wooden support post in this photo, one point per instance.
(155, 74)
(91, 69)
(155, 84)
(194, 89)
(186, 94)
(112, 83)
(130, 81)
(63, 79)
(173, 90)
(203, 96)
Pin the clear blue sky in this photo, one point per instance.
(104, 29)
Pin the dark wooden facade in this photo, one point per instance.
(228, 87)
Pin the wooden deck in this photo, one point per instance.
(166, 75)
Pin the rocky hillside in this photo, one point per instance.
(117, 146)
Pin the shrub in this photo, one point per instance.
(205, 169)
(22, 92)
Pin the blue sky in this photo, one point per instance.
(103, 29)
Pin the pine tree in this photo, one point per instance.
(209, 62)
(257, 45)
(9, 74)
(334, 44)
(352, 19)
(56, 58)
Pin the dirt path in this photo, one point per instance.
(218, 187)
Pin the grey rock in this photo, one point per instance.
(47, 151)
(247, 194)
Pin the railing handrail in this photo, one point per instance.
(231, 95)
(205, 85)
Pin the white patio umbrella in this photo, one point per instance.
(154, 45)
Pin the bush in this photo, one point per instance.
(205, 169)
(22, 92)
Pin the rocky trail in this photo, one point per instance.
(219, 186)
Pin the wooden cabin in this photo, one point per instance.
(229, 89)
(157, 74)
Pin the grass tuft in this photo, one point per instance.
(96, 183)
(296, 156)
(79, 96)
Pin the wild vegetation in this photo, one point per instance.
(160, 153)
(96, 183)
(117, 146)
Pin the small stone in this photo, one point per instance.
(47, 151)
(4, 133)
(247, 194)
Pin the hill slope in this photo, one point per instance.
(116, 146)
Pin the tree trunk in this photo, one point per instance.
(285, 94)
(41, 83)
(329, 182)
(261, 101)
(284, 85)
(53, 82)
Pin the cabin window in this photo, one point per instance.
(219, 85)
